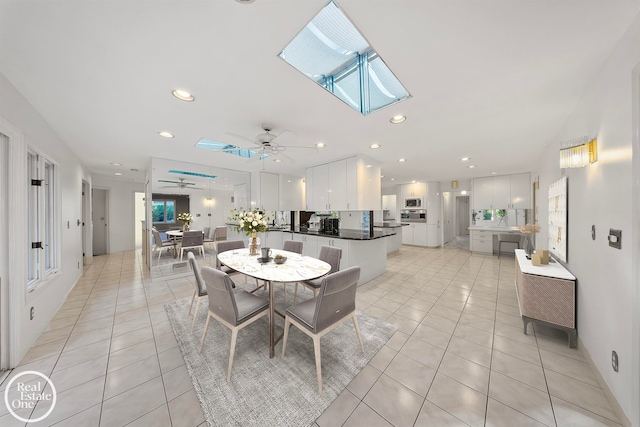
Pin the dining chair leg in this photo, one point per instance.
(234, 337)
(295, 293)
(204, 334)
(355, 325)
(195, 314)
(287, 325)
(192, 299)
(284, 286)
(316, 350)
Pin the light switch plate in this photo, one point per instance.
(615, 238)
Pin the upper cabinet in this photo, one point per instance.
(265, 192)
(416, 189)
(502, 192)
(292, 194)
(349, 184)
(241, 196)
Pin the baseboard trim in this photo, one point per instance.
(604, 386)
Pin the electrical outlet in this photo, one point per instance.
(32, 313)
(614, 361)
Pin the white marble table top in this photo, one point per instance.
(297, 267)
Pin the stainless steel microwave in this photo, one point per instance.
(413, 203)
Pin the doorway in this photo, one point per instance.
(139, 215)
(85, 214)
(448, 217)
(462, 216)
(99, 219)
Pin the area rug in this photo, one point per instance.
(264, 391)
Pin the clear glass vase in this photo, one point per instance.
(528, 245)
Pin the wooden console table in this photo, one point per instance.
(546, 294)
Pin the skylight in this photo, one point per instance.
(201, 175)
(227, 148)
(332, 52)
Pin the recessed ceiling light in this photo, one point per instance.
(117, 173)
(393, 179)
(381, 176)
(116, 164)
(493, 173)
(368, 166)
(183, 95)
(413, 182)
(471, 166)
(165, 134)
(288, 180)
(402, 160)
(464, 159)
(320, 145)
(277, 160)
(398, 119)
(245, 1)
(375, 146)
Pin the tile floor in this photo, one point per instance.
(459, 356)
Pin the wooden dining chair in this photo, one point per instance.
(200, 289)
(192, 240)
(235, 311)
(331, 256)
(335, 304)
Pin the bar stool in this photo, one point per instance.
(507, 238)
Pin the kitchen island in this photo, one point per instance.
(394, 241)
(359, 247)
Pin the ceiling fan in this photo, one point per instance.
(179, 184)
(268, 144)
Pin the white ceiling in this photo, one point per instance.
(491, 80)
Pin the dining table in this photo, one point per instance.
(296, 268)
(174, 235)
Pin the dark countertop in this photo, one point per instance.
(347, 234)
(389, 224)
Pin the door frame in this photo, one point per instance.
(457, 213)
(635, 241)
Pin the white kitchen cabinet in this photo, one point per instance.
(265, 191)
(273, 240)
(309, 190)
(416, 189)
(415, 234)
(482, 193)
(433, 203)
(336, 243)
(502, 192)
(520, 191)
(482, 241)
(433, 235)
(241, 197)
(350, 184)
(309, 244)
(337, 188)
(292, 197)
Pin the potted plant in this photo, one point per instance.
(528, 230)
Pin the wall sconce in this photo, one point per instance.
(578, 153)
(454, 184)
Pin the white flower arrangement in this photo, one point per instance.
(185, 217)
(250, 221)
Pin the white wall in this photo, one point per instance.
(32, 130)
(219, 207)
(601, 195)
(121, 212)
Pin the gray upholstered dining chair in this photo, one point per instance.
(159, 244)
(235, 311)
(331, 256)
(507, 238)
(207, 233)
(335, 303)
(224, 246)
(192, 240)
(200, 289)
(220, 233)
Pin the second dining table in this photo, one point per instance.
(297, 268)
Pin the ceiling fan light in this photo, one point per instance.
(277, 160)
(165, 134)
(398, 119)
(320, 145)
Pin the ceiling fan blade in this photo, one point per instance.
(286, 159)
(177, 182)
(285, 137)
(256, 156)
(242, 137)
(315, 149)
